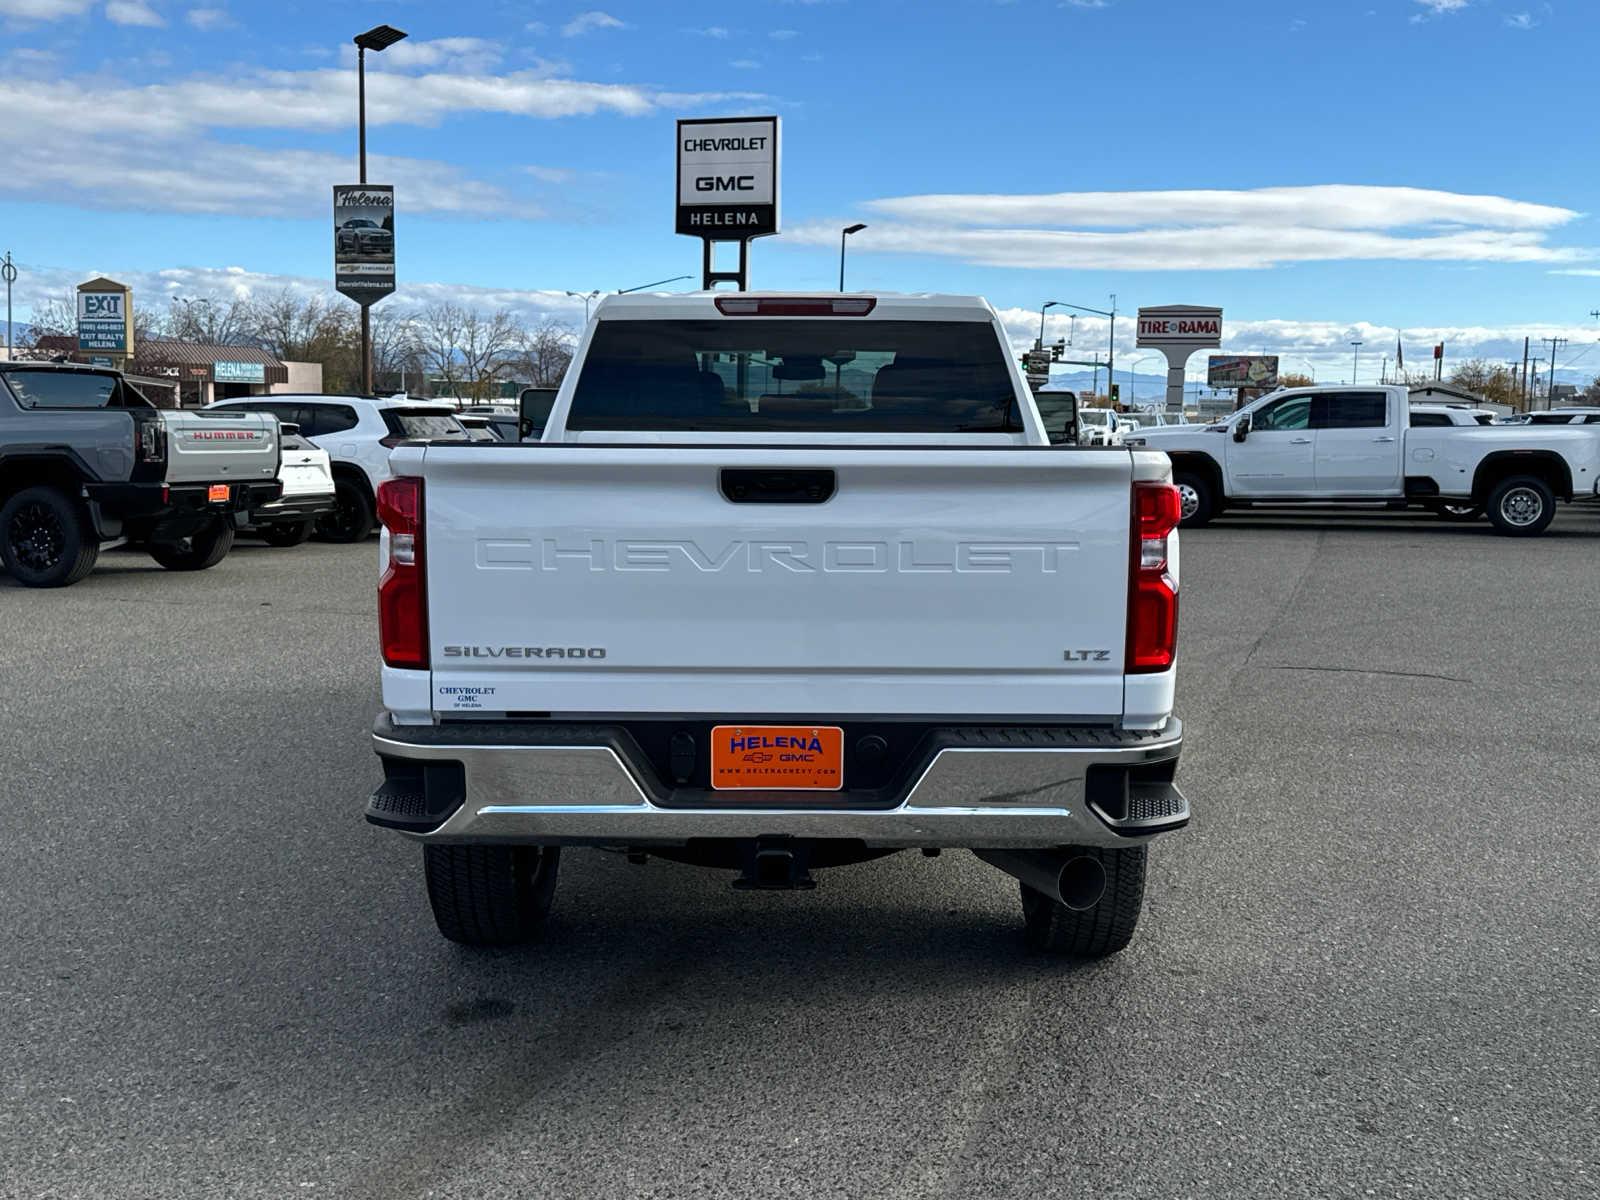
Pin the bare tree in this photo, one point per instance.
(310, 330)
(544, 353)
(55, 317)
(397, 355)
(468, 350)
(209, 319)
(1492, 381)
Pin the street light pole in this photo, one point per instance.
(1039, 345)
(588, 296)
(1355, 361)
(844, 233)
(379, 37)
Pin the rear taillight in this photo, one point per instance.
(403, 591)
(153, 442)
(1152, 592)
(795, 306)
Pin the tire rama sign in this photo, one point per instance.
(728, 178)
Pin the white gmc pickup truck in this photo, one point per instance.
(790, 582)
(1330, 445)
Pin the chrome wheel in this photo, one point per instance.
(1188, 501)
(1521, 506)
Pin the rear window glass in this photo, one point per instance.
(833, 375)
(1419, 420)
(425, 425)
(63, 389)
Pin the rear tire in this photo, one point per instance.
(199, 552)
(1521, 506)
(1094, 932)
(44, 540)
(286, 534)
(490, 895)
(351, 519)
(1196, 502)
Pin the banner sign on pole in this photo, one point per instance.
(363, 241)
(1242, 370)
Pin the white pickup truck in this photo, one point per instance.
(790, 582)
(1331, 445)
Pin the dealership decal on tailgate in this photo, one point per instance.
(777, 756)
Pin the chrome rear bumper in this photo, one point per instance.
(979, 788)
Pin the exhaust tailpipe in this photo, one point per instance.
(1076, 880)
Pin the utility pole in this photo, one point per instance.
(8, 271)
(1525, 374)
(1355, 360)
(1550, 383)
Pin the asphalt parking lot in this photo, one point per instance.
(1369, 968)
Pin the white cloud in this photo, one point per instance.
(710, 31)
(1438, 8)
(1085, 4)
(456, 54)
(745, 64)
(43, 10)
(1212, 230)
(209, 20)
(132, 12)
(783, 35)
(536, 27)
(1521, 20)
(552, 174)
(590, 21)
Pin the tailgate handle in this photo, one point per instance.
(760, 485)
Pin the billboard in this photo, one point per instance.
(105, 317)
(728, 177)
(1242, 370)
(363, 241)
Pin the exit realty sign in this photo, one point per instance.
(728, 177)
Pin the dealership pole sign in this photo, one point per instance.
(727, 186)
(105, 317)
(1178, 330)
(363, 241)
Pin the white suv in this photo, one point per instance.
(357, 432)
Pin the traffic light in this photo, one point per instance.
(1115, 393)
(1057, 350)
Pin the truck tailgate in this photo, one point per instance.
(220, 446)
(570, 580)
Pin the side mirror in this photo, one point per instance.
(1069, 431)
(1241, 429)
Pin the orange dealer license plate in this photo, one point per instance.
(797, 757)
(217, 493)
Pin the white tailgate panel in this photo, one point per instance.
(948, 582)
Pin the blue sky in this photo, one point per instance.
(1323, 170)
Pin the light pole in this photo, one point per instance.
(586, 297)
(844, 233)
(642, 286)
(8, 272)
(379, 37)
(1111, 351)
(1135, 367)
(1355, 360)
(1307, 362)
(1039, 345)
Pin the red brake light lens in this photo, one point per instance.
(796, 306)
(402, 591)
(1152, 592)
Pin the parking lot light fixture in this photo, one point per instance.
(1048, 304)
(379, 37)
(844, 233)
(586, 297)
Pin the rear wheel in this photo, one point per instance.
(1196, 502)
(198, 552)
(1093, 932)
(490, 895)
(1521, 506)
(289, 533)
(351, 519)
(44, 540)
